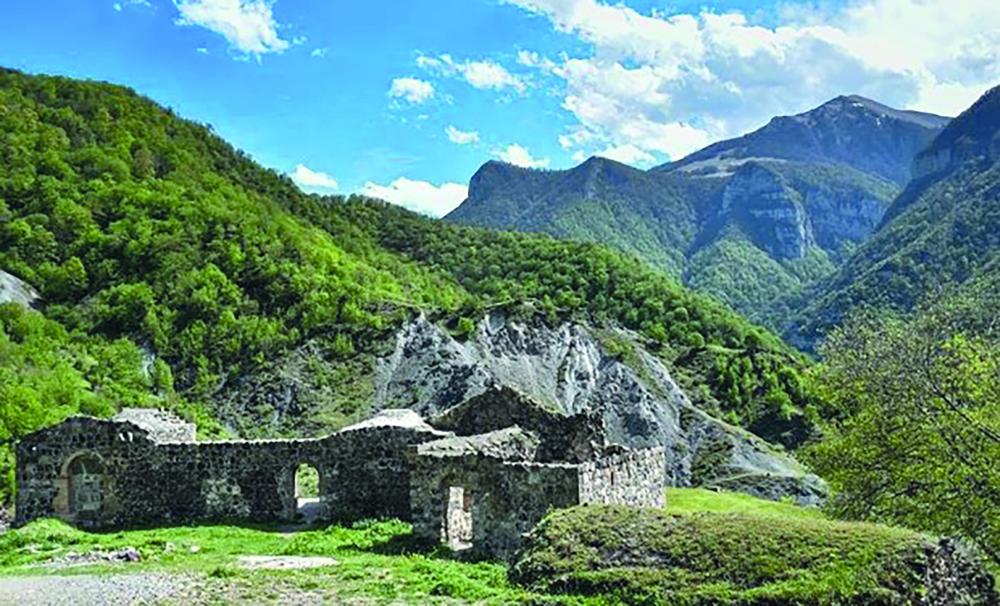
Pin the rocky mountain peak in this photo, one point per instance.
(847, 130)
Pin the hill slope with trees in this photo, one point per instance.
(944, 228)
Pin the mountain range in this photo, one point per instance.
(753, 221)
(943, 230)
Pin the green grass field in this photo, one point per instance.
(377, 561)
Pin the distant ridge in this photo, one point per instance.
(752, 220)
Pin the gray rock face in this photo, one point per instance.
(770, 211)
(14, 290)
(567, 368)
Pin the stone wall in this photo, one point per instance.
(625, 477)
(506, 499)
(478, 492)
(364, 473)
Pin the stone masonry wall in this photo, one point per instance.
(364, 473)
(625, 477)
(506, 499)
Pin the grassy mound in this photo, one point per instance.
(754, 556)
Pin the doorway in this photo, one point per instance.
(458, 519)
(307, 495)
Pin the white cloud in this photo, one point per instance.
(248, 25)
(627, 154)
(485, 74)
(669, 84)
(461, 137)
(520, 156)
(314, 181)
(318, 53)
(413, 90)
(419, 196)
(119, 6)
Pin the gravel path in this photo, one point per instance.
(89, 590)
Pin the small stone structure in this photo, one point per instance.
(477, 478)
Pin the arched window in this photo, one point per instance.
(86, 478)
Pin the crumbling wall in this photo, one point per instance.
(161, 426)
(364, 473)
(625, 477)
(506, 498)
(563, 438)
(44, 458)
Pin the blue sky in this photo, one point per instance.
(405, 99)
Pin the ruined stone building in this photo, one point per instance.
(477, 477)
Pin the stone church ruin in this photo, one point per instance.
(476, 478)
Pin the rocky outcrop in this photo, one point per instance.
(567, 369)
(953, 575)
(14, 290)
(769, 211)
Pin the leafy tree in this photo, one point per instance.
(916, 434)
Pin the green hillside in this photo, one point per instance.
(945, 228)
(171, 265)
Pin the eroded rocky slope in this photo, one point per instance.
(566, 367)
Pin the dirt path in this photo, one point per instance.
(90, 590)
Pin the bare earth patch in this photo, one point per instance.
(284, 562)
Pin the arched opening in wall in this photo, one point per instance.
(458, 518)
(86, 486)
(307, 500)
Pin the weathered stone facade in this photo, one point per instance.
(364, 472)
(480, 492)
(510, 478)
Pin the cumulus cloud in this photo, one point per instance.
(485, 74)
(461, 137)
(318, 53)
(413, 90)
(420, 196)
(248, 25)
(520, 156)
(669, 84)
(314, 181)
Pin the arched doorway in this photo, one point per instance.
(86, 486)
(307, 492)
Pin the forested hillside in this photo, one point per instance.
(171, 267)
(945, 228)
(750, 221)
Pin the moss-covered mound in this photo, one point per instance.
(646, 556)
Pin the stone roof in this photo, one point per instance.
(162, 426)
(510, 444)
(394, 417)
